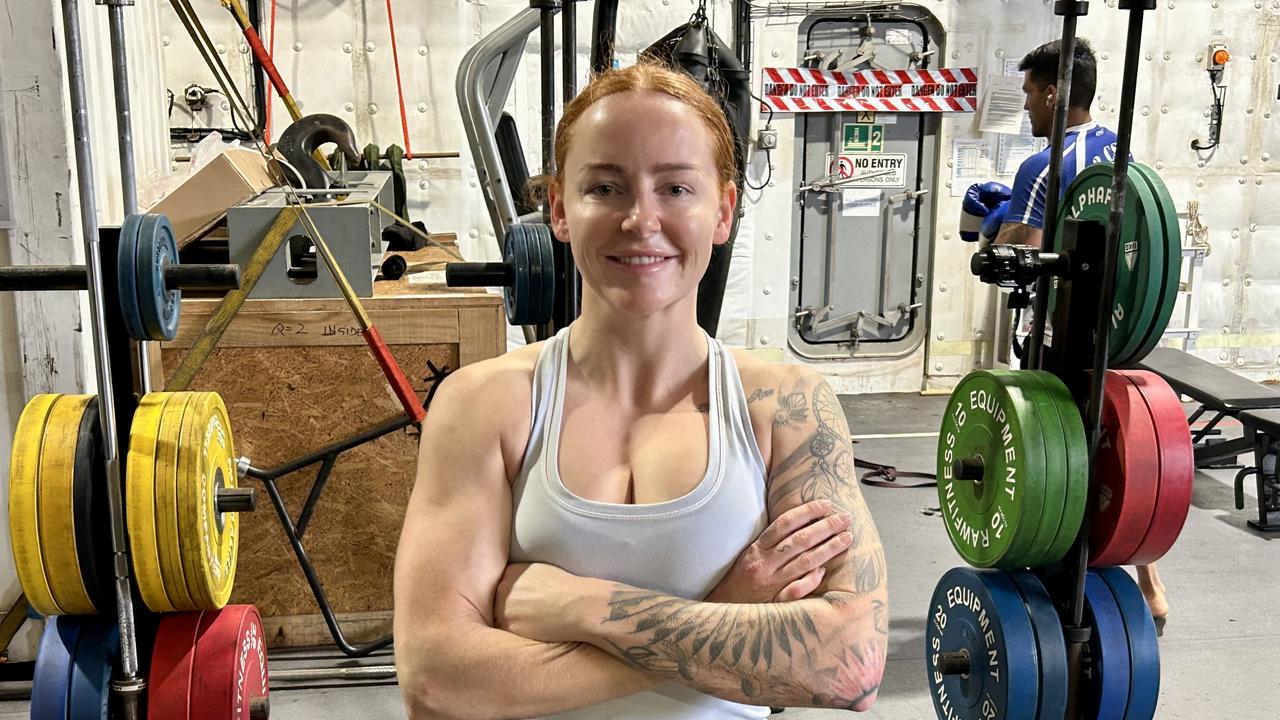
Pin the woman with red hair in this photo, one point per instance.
(630, 520)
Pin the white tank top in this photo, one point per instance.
(681, 547)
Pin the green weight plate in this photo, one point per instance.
(1172, 279)
(516, 297)
(1137, 287)
(1076, 500)
(991, 520)
(1055, 457)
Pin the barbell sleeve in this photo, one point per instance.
(472, 274)
(236, 499)
(22, 278)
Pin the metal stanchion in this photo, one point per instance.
(129, 686)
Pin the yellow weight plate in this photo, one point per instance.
(209, 538)
(24, 520)
(168, 546)
(140, 501)
(56, 505)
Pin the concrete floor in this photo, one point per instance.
(1217, 654)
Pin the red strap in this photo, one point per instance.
(395, 376)
(267, 124)
(395, 58)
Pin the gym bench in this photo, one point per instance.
(1227, 394)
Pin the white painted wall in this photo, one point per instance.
(337, 59)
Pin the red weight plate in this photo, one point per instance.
(169, 681)
(1177, 466)
(1127, 474)
(231, 663)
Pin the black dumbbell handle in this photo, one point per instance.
(490, 274)
(73, 277)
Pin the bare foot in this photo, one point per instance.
(1153, 591)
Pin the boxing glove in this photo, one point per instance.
(979, 202)
(994, 219)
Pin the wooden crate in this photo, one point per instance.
(296, 376)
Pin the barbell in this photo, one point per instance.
(149, 278)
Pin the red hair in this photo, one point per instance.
(647, 75)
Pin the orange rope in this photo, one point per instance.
(395, 57)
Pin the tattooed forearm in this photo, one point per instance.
(760, 653)
(821, 467)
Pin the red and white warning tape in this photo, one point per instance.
(809, 90)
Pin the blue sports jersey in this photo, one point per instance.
(1085, 145)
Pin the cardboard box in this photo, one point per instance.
(202, 200)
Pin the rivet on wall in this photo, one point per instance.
(764, 339)
(244, 49)
(422, 107)
(422, 49)
(346, 47)
(297, 46)
(222, 49)
(767, 290)
(373, 108)
(370, 47)
(165, 40)
(422, 185)
(349, 107)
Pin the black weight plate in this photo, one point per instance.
(92, 523)
(533, 314)
(91, 670)
(1051, 645)
(516, 296)
(1144, 650)
(546, 243)
(127, 277)
(159, 306)
(51, 683)
(981, 612)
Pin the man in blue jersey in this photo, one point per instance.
(1016, 216)
(994, 213)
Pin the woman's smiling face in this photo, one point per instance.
(640, 202)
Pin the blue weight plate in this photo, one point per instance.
(51, 684)
(981, 611)
(1144, 650)
(91, 669)
(157, 248)
(1050, 644)
(127, 277)
(1108, 683)
(516, 297)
